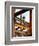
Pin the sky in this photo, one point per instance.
(26, 14)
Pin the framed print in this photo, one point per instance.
(21, 22)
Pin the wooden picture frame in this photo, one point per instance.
(14, 10)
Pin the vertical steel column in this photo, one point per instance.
(30, 22)
(13, 24)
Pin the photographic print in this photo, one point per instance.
(21, 22)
